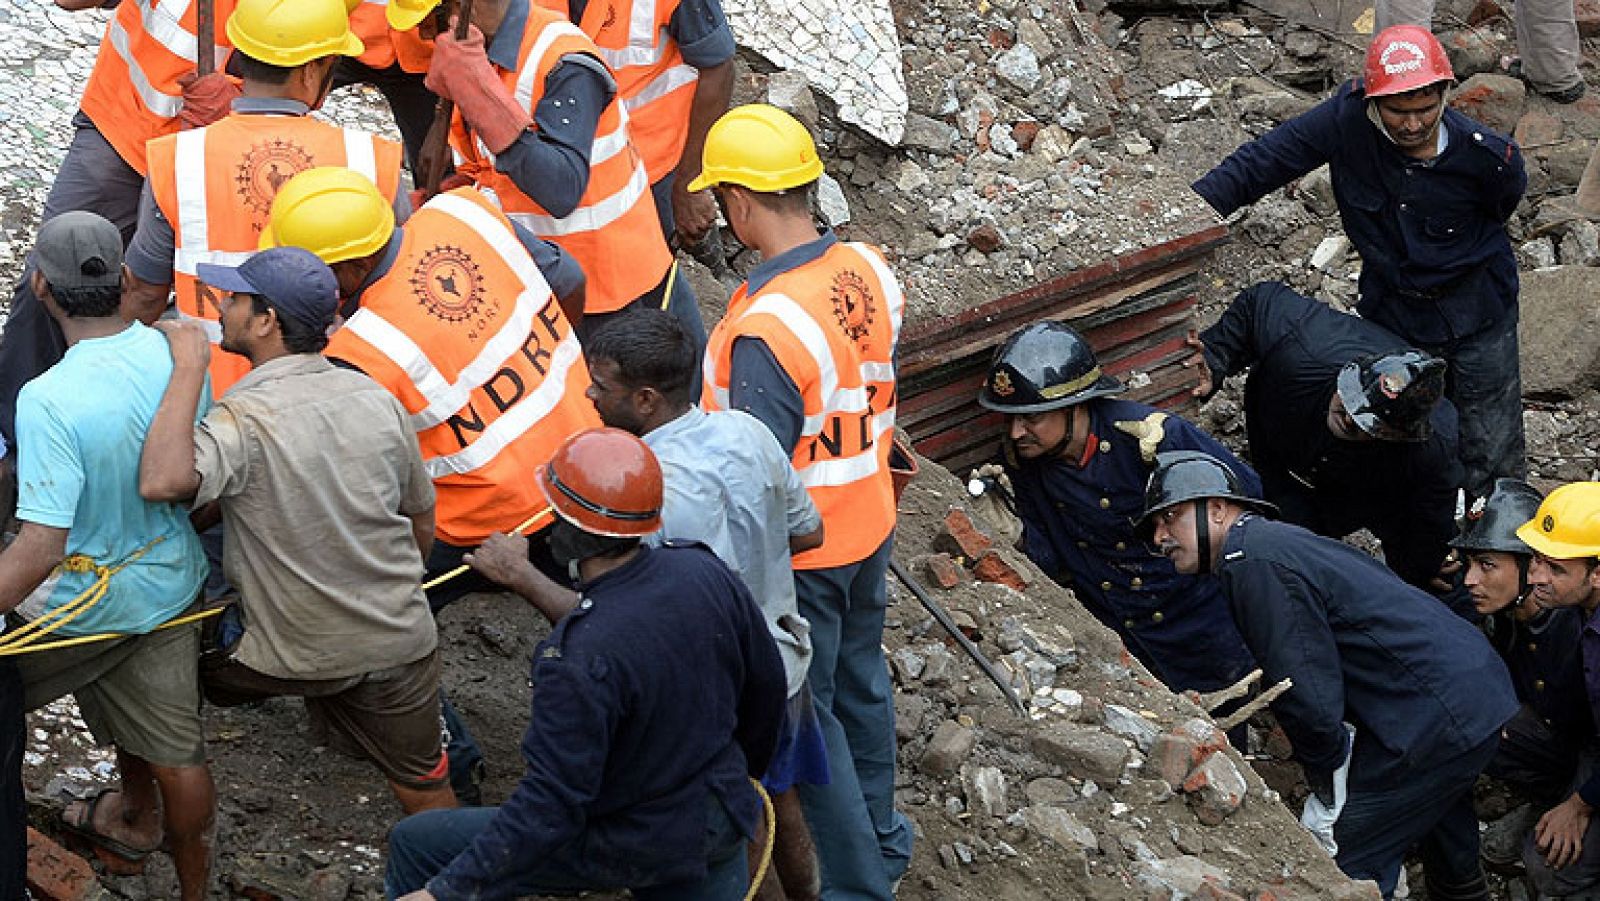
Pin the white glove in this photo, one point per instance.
(1318, 817)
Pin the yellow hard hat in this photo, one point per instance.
(759, 147)
(334, 212)
(403, 15)
(291, 33)
(1567, 526)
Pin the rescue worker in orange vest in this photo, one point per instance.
(143, 85)
(459, 315)
(544, 133)
(807, 346)
(673, 61)
(210, 189)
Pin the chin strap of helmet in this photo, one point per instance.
(1066, 436)
(1522, 579)
(1202, 534)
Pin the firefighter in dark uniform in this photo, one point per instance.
(1396, 704)
(1077, 460)
(1335, 451)
(1548, 750)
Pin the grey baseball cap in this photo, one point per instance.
(79, 250)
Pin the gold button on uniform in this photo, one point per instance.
(1538, 685)
(1533, 646)
(1127, 624)
(1105, 503)
(1105, 586)
(1121, 546)
(1156, 617)
(1135, 582)
(1082, 544)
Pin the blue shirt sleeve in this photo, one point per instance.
(760, 387)
(1276, 158)
(550, 163)
(150, 254)
(701, 29)
(50, 474)
(575, 713)
(561, 272)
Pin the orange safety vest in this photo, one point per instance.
(655, 84)
(133, 94)
(614, 233)
(215, 186)
(832, 324)
(384, 45)
(466, 333)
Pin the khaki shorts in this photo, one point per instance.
(141, 693)
(388, 716)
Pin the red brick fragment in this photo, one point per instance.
(944, 570)
(963, 537)
(1023, 133)
(992, 567)
(56, 873)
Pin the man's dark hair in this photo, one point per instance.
(252, 69)
(298, 337)
(650, 349)
(796, 201)
(90, 301)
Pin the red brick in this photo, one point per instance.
(992, 567)
(944, 570)
(965, 538)
(1216, 789)
(1588, 14)
(56, 873)
(1210, 891)
(1024, 132)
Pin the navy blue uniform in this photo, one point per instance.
(1294, 348)
(1437, 267)
(1539, 748)
(1078, 526)
(654, 700)
(1425, 691)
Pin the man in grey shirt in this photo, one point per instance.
(731, 487)
(329, 514)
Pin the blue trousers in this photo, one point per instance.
(863, 843)
(1431, 810)
(13, 812)
(422, 845)
(1484, 381)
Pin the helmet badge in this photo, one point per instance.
(1391, 384)
(1401, 57)
(1478, 506)
(1002, 384)
(1549, 524)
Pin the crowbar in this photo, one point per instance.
(943, 618)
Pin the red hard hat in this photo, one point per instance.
(606, 482)
(1404, 58)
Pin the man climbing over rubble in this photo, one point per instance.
(1396, 703)
(657, 697)
(1563, 854)
(807, 346)
(458, 314)
(1346, 426)
(210, 189)
(1077, 459)
(1542, 748)
(547, 135)
(328, 513)
(1423, 193)
(731, 487)
(80, 425)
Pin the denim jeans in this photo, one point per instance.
(1485, 383)
(13, 812)
(1431, 809)
(863, 843)
(422, 845)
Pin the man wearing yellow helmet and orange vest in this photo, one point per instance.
(539, 126)
(459, 314)
(210, 189)
(1563, 855)
(807, 347)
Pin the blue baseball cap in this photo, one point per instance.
(291, 280)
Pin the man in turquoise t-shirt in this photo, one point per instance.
(80, 430)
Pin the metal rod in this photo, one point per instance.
(943, 618)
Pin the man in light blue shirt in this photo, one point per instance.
(80, 429)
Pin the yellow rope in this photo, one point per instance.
(772, 839)
(107, 636)
(434, 583)
(672, 276)
(59, 616)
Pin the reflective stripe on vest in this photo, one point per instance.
(649, 67)
(614, 232)
(163, 105)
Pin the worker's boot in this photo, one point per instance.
(1474, 889)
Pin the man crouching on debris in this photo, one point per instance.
(328, 513)
(1396, 703)
(1563, 856)
(1077, 459)
(122, 565)
(1424, 193)
(656, 700)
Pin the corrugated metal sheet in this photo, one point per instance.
(1135, 309)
